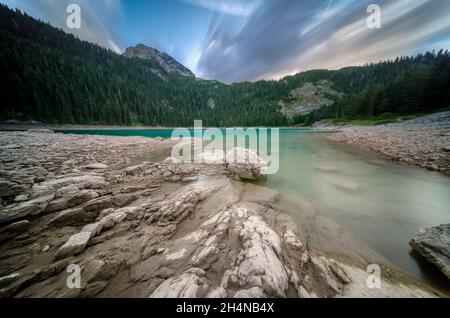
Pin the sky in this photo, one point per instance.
(249, 40)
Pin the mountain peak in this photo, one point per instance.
(168, 63)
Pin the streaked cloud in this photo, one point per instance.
(247, 40)
(99, 18)
(233, 7)
(285, 37)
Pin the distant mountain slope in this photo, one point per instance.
(168, 63)
(53, 77)
(50, 76)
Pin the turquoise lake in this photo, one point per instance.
(380, 202)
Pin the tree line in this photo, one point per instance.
(54, 77)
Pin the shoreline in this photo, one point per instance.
(63, 127)
(155, 229)
(423, 142)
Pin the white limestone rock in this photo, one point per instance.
(75, 245)
(246, 164)
(254, 292)
(218, 292)
(213, 157)
(186, 285)
(94, 228)
(258, 264)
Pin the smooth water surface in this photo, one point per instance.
(383, 203)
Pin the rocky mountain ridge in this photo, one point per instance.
(168, 63)
(310, 97)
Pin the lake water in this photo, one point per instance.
(378, 201)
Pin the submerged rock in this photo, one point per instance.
(326, 169)
(348, 186)
(434, 244)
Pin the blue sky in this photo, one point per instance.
(237, 40)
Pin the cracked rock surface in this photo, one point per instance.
(138, 227)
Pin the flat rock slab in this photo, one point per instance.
(75, 245)
(434, 244)
(17, 211)
(96, 166)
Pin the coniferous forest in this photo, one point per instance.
(53, 77)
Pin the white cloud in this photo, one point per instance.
(233, 7)
(98, 17)
(284, 37)
(114, 47)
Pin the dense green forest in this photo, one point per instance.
(51, 76)
(406, 85)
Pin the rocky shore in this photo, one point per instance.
(138, 225)
(15, 125)
(423, 142)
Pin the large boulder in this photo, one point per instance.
(246, 164)
(434, 244)
(213, 157)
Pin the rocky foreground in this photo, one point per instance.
(138, 225)
(423, 142)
